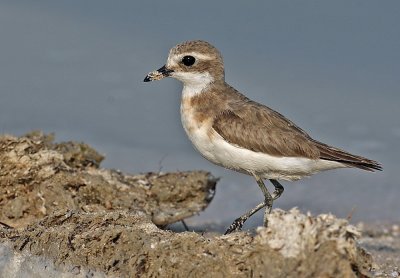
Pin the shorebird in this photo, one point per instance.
(232, 131)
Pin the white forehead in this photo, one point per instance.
(175, 58)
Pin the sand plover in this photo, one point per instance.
(237, 133)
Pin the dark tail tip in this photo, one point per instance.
(370, 165)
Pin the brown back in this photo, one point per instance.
(253, 126)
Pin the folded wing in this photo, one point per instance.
(262, 129)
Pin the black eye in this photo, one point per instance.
(188, 60)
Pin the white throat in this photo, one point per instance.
(193, 82)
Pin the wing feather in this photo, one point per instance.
(251, 125)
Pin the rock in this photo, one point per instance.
(64, 216)
(38, 177)
(126, 244)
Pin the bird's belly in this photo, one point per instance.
(214, 148)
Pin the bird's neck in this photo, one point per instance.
(198, 85)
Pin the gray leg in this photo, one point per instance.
(185, 225)
(238, 223)
(268, 200)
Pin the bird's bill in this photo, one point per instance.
(158, 74)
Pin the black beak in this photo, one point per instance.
(158, 74)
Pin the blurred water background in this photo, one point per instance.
(76, 68)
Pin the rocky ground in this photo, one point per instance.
(61, 215)
(382, 241)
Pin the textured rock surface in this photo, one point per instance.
(383, 242)
(125, 244)
(38, 177)
(63, 216)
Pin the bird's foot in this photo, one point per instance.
(276, 194)
(278, 189)
(236, 226)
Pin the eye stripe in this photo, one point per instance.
(196, 55)
(174, 59)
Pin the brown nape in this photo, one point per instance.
(334, 154)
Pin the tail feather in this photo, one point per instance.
(334, 154)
